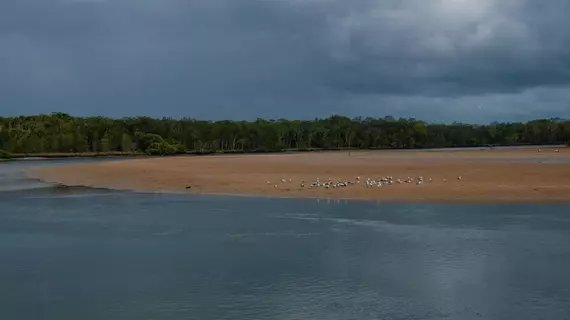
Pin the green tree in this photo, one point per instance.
(105, 144)
(126, 143)
(60, 132)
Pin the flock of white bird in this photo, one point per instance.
(378, 182)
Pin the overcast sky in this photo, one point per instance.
(438, 60)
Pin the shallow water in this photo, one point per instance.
(80, 253)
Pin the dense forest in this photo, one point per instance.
(62, 133)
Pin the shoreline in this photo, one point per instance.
(489, 176)
(119, 154)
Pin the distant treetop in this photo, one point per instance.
(60, 132)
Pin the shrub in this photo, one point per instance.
(180, 148)
(161, 148)
(146, 140)
(5, 154)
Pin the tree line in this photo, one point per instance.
(62, 133)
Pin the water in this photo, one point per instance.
(82, 253)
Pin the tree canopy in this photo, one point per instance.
(60, 132)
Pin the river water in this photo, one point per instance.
(80, 253)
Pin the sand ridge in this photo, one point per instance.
(494, 176)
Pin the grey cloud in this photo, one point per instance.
(286, 58)
(452, 47)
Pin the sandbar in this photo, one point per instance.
(491, 176)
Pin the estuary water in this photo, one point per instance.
(80, 253)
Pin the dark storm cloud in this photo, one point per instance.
(473, 60)
(452, 47)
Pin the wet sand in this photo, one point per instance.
(493, 176)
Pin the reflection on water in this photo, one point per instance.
(79, 253)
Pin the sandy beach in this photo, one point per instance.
(493, 176)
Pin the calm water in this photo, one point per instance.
(95, 254)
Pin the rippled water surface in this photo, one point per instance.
(78, 253)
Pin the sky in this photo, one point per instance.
(472, 61)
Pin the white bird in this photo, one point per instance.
(275, 186)
(268, 182)
(459, 178)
